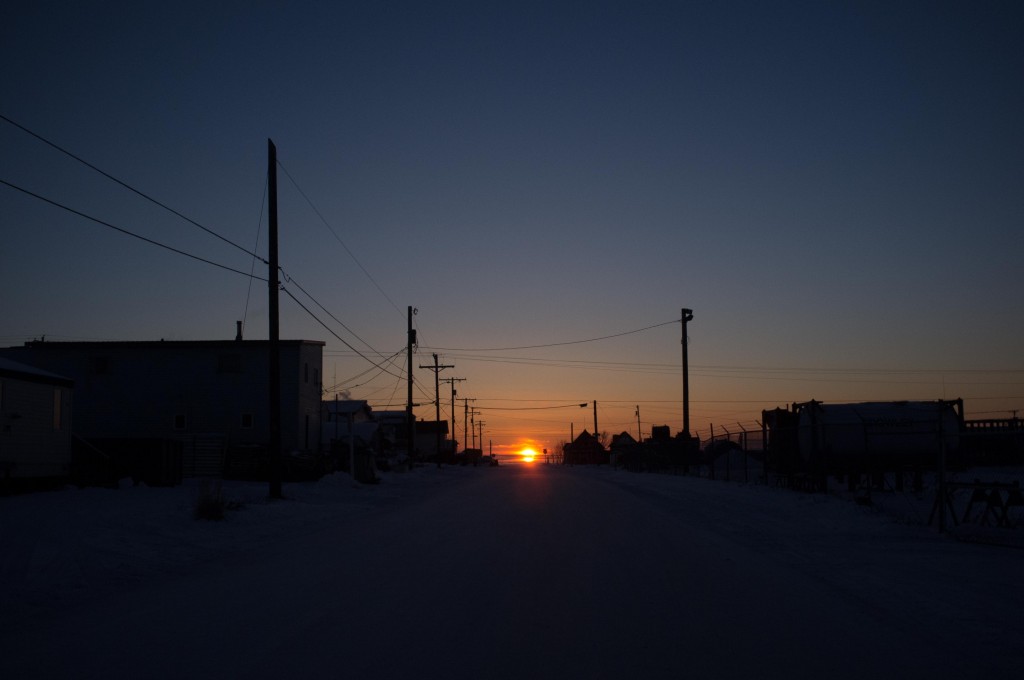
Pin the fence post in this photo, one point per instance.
(743, 438)
(941, 491)
(728, 465)
(711, 462)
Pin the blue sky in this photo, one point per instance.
(833, 188)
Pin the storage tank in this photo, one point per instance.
(897, 429)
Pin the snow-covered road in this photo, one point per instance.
(537, 572)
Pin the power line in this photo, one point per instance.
(129, 187)
(289, 279)
(550, 344)
(343, 383)
(127, 232)
(329, 330)
(338, 238)
(527, 408)
(206, 261)
(712, 368)
(142, 194)
(362, 373)
(259, 228)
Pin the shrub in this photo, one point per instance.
(210, 503)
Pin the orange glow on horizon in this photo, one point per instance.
(528, 455)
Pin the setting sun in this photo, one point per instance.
(528, 455)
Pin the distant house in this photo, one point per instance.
(209, 397)
(586, 449)
(623, 448)
(427, 434)
(350, 438)
(344, 417)
(35, 423)
(393, 433)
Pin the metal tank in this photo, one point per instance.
(901, 430)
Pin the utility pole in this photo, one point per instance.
(465, 419)
(639, 434)
(273, 284)
(472, 423)
(453, 381)
(437, 403)
(687, 316)
(481, 424)
(409, 417)
(596, 433)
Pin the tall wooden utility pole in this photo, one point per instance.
(596, 434)
(465, 419)
(453, 381)
(410, 419)
(273, 284)
(687, 317)
(437, 403)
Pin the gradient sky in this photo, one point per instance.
(835, 189)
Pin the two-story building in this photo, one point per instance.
(212, 397)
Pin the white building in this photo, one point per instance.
(35, 423)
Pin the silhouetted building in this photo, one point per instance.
(344, 417)
(623, 448)
(661, 433)
(35, 423)
(209, 397)
(427, 432)
(586, 449)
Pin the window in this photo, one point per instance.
(56, 408)
(179, 421)
(246, 421)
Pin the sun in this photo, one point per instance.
(528, 455)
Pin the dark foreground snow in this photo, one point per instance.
(512, 572)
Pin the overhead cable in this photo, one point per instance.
(528, 408)
(129, 187)
(127, 232)
(550, 344)
(338, 238)
(329, 330)
(289, 279)
(259, 228)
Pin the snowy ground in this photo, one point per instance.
(511, 572)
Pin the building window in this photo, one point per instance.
(56, 408)
(179, 421)
(246, 421)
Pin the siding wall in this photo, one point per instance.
(185, 390)
(32, 443)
